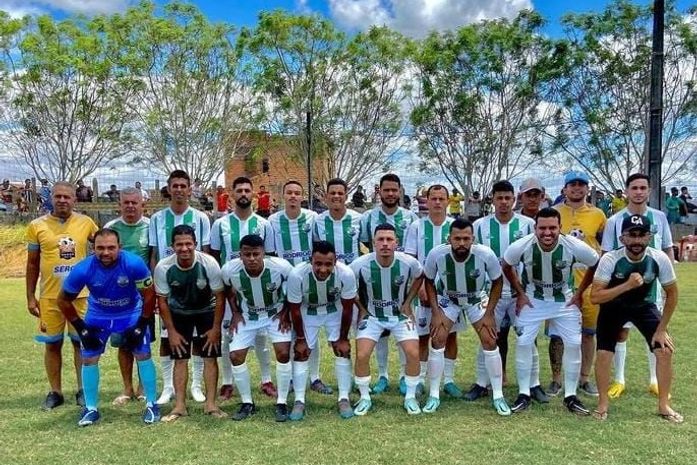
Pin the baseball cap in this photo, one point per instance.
(639, 222)
(572, 176)
(531, 184)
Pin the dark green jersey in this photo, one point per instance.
(133, 237)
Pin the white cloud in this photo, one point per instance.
(417, 18)
(19, 8)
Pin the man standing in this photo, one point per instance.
(83, 193)
(473, 209)
(584, 222)
(638, 191)
(191, 297)
(121, 302)
(531, 195)
(321, 294)
(143, 192)
(263, 202)
(259, 283)
(222, 200)
(132, 228)
(545, 294)
(455, 204)
(388, 282)
(56, 242)
(619, 201)
(625, 285)
(162, 224)
(339, 225)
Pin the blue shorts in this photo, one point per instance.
(107, 326)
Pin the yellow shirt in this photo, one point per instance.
(454, 205)
(62, 244)
(585, 223)
(618, 203)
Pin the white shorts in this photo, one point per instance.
(372, 328)
(563, 321)
(423, 322)
(505, 308)
(247, 333)
(457, 314)
(331, 322)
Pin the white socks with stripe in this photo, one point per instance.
(344, 374)
(571, 364)
(436, 364)
(240, 374)
(492, 359)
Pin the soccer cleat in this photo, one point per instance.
(245, 411)
(615, 390)
(226, 392)
(431, 405)
(197, 394)
(362, 407)
(281, 412)
(151, 414)
(553, 389)
(318, 386)
(88, 417)
(345, 410)
(381, 386)
(521, 403)
(589, 389)
(653, 390)
(269, 389)
(475, 392)
(501, 407)
(166, 396)
(403, 386)
(80, 398)
(453, 390)
(298, 412)
(53, 400)
(574, 405)
(539, 395)
(412, 406)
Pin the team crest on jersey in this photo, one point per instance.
(66, 248)
(143, 241)
(518, 234)
(122, 281)
(403, 225)
(561, 264)
(423, 322)
(362, 325)
(399, 280)
(307, 228)
(475, 273)
(353, 231)
(577, 233)
(256, 231)
(271, 286)
(619, 275)
(649, 276)
(201, 283)
(654, 228)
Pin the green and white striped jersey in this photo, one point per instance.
(383, 290)
(321, 297)
(401, 220)
(293, 238)
(134, 237)
(344, 234)
(423, 236)
(259, 296)
(655, 267)
(662, 237)
(227, 232)
(547, 275)
(489, 231)
(163, 222)
(463, 282)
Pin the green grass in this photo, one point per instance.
(459, 433)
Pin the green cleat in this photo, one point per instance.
(453, 390)
(501, 407)
(362, 407)
(381, 386)
(432, 404)
(412, 406)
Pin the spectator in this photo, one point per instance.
(455, 204)
(686, 197)
(45, 197)
(546, 202)
(221, 202)
(422, 201)
(112, 194)
(263, 202)
(358, 199)
(197, 191)
(619, 202)
(473, 210)
(6, 192)
(560, 198)
(164, 194)
(673, 206)
(83, 193)
(143, 192)
(27, 196)
(603, 202)
(375, 200)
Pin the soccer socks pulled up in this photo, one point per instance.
(148, 377)
(313, 364)
(482, 375)
(167, 367)
(492, 359)
(436, 363)
(535, 373)
(90, 385)
(240, 374)
(225, 363)
(196, 372)
(363, 385)
(653, 379)
(423, 371)
(342, 367)
(402, 361)
(412, 382)
(620, 357)
(263, 357)
(523, 365)
(300, 372)
(284, 372)
(571, 364)
(449, 371)
(382, 351)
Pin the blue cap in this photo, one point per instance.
(572, 176)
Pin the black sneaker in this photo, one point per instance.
(245, 411)
(475, 392)
(53, 400)
(80, 398)
(281, 412)
(539, 395)
(521, 403)
(576, 406)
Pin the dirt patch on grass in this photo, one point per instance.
(13, 260)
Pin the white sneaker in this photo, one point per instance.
(197, 394)
(166, 396)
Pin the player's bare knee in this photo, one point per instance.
(301, 356)
(238, 357)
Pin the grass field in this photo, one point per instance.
(459, 433)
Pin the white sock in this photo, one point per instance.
(620, 357)
(492, 359)
(240, 374)
(449, 371)
(535, 370)
(196, 372)
(436, 362)
(300, 371)
(363, 384)
(313, 364)
(423, 371)
(167, 368)
(571, 364)
(402, 361)
(284, 372)
(653, 379)
(382, 351)
(342, 367)
(411, 382)
(225, 363)
(523, 364)
(482, 375)
(263, 357)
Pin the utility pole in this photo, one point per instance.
(308, 133)
(656, 112)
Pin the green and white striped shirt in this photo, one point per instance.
(423, 236)
(343, 233)
(163, 222)
(227, 232)
(293, 237)
(321, 297)
(662, 237)
(401, 220)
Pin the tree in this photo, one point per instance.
(605, 93)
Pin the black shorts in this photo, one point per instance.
(613, 317)
(117, 341)
(185, 324)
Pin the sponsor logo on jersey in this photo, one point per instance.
(122, 281)
(66, 248)
(577, 233)
(444, 302)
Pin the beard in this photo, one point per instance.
(243, 202)
(391, 203)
